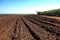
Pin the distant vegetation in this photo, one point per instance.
(16, 14)
(8, 14)
(55, 12)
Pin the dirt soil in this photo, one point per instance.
(36, 27)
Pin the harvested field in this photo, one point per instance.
(36, 27)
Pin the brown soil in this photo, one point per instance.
(37, 27)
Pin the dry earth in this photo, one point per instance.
(37, 27)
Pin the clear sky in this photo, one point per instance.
(27, 6)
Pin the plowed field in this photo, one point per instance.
(36, 27)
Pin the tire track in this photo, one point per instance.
(16, 31)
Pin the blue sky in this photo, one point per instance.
(27, 6)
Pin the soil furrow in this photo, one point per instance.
(25, 34)
(41, 33)
(49, 27)
(31, 32)
(46, 27)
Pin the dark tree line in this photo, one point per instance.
(55, 12)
